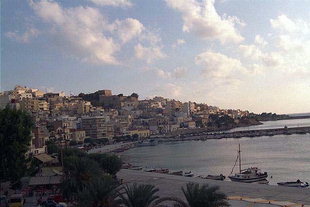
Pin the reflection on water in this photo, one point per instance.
(285, 157)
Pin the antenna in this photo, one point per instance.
(239, 153)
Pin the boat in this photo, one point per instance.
(266, 182)
(215, 177)
(162, 170)
(180, 173)
(188, 174)
(297, 184)
(136, 168)
(249, 175)
(150, 170)
(149, 142)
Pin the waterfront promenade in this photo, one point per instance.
(170, 185)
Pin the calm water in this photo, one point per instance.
(277, 124)
(285, 157)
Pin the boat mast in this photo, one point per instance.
(239, 155)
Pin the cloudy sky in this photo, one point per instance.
(247, 54)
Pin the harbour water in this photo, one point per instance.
(284, 157)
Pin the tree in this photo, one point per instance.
(137, 195)
(111, 164)
(79, 171)
(15, 137)
(204, 196)
(135, 95)
(98, 193)
(143, 195)
(51, 147)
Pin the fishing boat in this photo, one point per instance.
(162, 170)
(215, 177)
(188, 174)
(136, 168)
(180, 173)
(149, 170)
(266, 182)
(249, 175)
(297, 184)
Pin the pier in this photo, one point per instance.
(238, 134)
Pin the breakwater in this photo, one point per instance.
(239, 134)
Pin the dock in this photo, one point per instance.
(238, 134)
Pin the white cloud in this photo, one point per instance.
(149, 54)
(218, 65)
(178, 42)
(250, 51)
(81, 29)
(259, 40)
(177, 73)
(285, 24)
(25, 37)
(202, 19)
(128, 29)
(115, 3)
(83, 32)
(292, 39)
(170, 90)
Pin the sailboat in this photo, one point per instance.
(249, 175)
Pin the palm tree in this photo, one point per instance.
(204, 196)
(142, 195)
(98, 193)
(135, 195)
(78, 173)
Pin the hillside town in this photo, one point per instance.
(107, 117)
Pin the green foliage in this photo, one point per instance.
(73, 152)
(221, 121)
(204, 196)
(73, 143)
(79, 171)
(15, 137)
(135, 95)
(137, 195)
(109, 163)
(51, 147)
(98, 193)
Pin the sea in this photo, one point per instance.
(283, 157)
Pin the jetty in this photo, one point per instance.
(238, 134)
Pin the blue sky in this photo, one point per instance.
(247, 54)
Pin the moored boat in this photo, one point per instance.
(136, 168)
(249, 175)
(188, 174)
(150, 170)
(297, 184)
(215, 177)
(162, 170)
(180, 173)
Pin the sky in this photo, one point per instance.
(242, 54)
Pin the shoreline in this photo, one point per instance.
(170, 185)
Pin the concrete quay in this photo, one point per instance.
(170, 185)
(238, 134)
